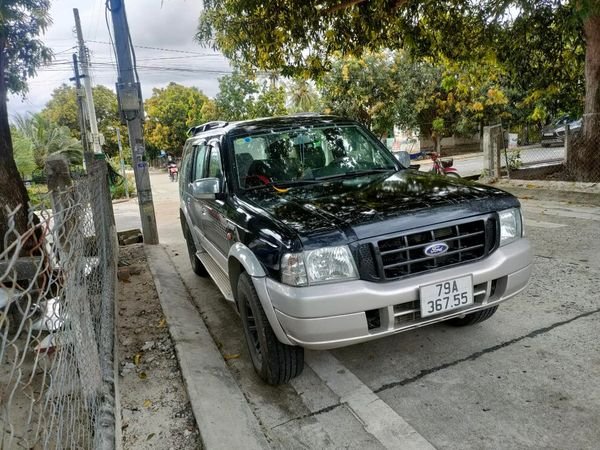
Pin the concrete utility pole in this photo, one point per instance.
(87, 155)
(132, 112)
(123, 174)
(87, 83)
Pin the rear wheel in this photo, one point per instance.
(473, 318)
(274, 362)
(196, 264)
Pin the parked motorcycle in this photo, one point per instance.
(442, 166)
(173, 171)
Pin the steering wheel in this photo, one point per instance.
(250, 180)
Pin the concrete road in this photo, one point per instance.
(526, 378)
(472, 164)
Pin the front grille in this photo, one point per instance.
(404, 255)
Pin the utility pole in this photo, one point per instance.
(87, 155)
(122, 162)
(132, 112)
(87, 83)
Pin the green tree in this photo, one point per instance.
(46, 138)
(241, 97)
(61, 109)
(23, 152)
(303, 97)
(21, 53)
(170, 112)
(236, 96)
(304, 37)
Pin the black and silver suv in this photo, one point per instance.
(322, 239)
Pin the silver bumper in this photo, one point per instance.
(334, 315)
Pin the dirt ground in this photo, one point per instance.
(155, 408)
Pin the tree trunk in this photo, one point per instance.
(583, 162)
(12, 189)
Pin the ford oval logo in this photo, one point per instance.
(439, 248)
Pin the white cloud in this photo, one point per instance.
(162, 24)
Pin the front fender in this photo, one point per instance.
(241, 258)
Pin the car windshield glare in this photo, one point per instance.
(307, 154)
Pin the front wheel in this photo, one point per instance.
(274, 362)
(452, 174)
(473, 318)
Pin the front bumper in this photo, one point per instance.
(340, 314)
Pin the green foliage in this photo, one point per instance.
(241, 97)
(391, 88)
(21, 52)
(23, 154)
(38, 195)
(118, 191)
(62, 110)
(45, 138)
(535, 49)
(170, 112)
(303, 97)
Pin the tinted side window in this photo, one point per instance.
(200, 162)
(186, 166)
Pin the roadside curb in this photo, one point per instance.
(564, 191)
(222, 413)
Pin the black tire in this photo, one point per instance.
(452, 175)
(274, 362)
(473, 318)
(196, 264)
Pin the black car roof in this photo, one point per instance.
(275, 123)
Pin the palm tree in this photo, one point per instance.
(47, 138)
(303, 97)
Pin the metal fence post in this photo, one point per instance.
(567, 142)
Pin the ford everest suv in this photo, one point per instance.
(322, 239)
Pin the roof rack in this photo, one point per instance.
(206, 126)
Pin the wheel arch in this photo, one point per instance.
(241, 259)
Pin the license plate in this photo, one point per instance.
(446, 296)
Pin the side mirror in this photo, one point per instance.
(403, 158)
(206, 188)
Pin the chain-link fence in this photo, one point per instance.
(567, 155)
(57, 384)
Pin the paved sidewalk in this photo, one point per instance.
(223, 415)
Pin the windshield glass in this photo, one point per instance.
(307, 154)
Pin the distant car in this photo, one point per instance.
(555, 132)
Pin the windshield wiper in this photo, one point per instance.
(353, 173)
(281, 184)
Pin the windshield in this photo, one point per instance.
(307, 154)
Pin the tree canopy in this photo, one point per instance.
(21, 53)
(541, 45)
(170, 112)
(241, 97)
(41, 138)
(61, 109)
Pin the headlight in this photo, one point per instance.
(322, 265)
(511, 226)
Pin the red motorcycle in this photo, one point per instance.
(173, 171)
(442, 166)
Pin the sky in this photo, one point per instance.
(167, 26)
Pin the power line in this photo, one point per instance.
(161, 49)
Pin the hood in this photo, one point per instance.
(344, 210)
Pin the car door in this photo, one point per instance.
(214, 218)
(196, 172)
